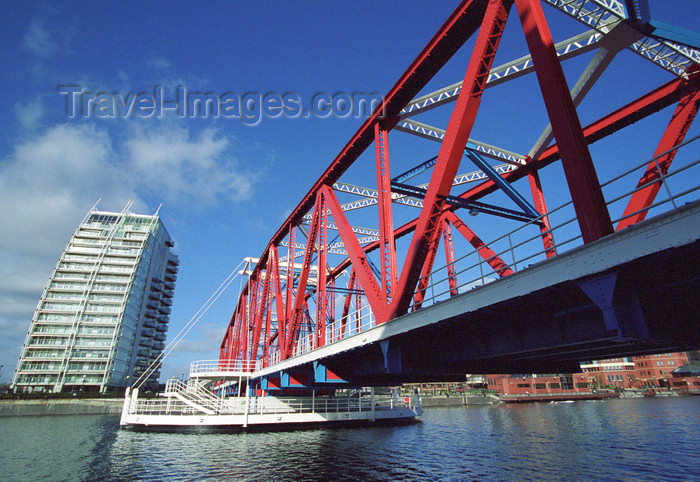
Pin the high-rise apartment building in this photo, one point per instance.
(103, 316)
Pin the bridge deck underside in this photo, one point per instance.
(634, 292)
(549, 330)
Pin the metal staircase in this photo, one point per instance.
(194, 394)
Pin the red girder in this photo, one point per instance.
(386, 221)
(660, 98)
(436, 216)
(330, 310)
(425, 237)
(541, 207)
(358, 258)
(321, 292)
(290, 280)
(424, 279)
(461, 25)
(488, 255)
(346, 305)
(300, 297)
(650, 182)
(260, 312)
(278, 301)
(587, 196)
(449, 257)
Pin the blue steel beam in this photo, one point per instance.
(418, 192)
(504, 185)
(416, 170)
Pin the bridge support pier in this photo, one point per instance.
(392, 356)
(619, 305)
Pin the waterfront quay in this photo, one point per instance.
(53, 406)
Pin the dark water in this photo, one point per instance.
(642, 439)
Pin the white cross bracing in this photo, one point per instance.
(574, 46)
(603, 14)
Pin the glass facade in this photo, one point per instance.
(103, 317)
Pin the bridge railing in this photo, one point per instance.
(355, 323)
(523, 246)
(204, 367)
(172, 406)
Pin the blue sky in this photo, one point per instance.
(225, 186)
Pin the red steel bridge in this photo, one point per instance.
(450, 260)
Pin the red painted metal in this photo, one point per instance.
(321, 292)
(451, 151)
(424, 280)
(461, 25)
(390, 296)
(592, 213)
(300, 297)
(449, 257)
(279, 304)
(488, 255)
(387, 249)
(358, 258)
(260, 315)
(346, 304)
(330, 310)
(650, 182)
(541, 206)
(660, 98)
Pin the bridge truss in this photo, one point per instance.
(351, 257)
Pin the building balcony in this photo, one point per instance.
(165, 309)
(159, 346)
(161, 327)
(61, 335)
(149, 323)
(167, 301)
(151, 313)
(147, 342)
(79, 370)
(32, 357)
(169, 287)
(147, 332)
(54, 368)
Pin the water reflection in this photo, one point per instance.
(616, 439)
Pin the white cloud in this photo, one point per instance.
(29, 115)
(160, 63)
(37, 40)
(48, 183)
(199, 339)
(183, 167)
(51, 179)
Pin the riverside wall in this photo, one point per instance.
(17, 408)
(457, 400)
